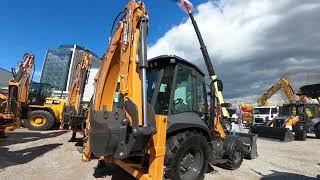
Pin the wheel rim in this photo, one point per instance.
(38, 121)
(191, 163)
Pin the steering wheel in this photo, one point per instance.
(178, 101)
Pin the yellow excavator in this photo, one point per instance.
(74, 112)
(14, 105)
(161, 126)
(283, 84)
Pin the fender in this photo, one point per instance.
(187, 120)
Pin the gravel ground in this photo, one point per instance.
(47, 155)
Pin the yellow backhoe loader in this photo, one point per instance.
(295, 119)
(74, 112)
(44, 111)
(161, 126)
(14, 105)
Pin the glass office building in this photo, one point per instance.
(56, 67)
(60, 65)
(5, 76)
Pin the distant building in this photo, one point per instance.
(5, 76)
(60, 65)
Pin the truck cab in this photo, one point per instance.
(263, 114)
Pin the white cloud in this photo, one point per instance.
(229, 35)
(251, 42)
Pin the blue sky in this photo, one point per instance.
(34, 26)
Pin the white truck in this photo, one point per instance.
(263, 114)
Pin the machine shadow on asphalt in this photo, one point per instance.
(24, 137)
(11, 158)
(285, 175)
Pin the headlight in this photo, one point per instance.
(49, 101)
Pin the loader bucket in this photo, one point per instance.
(250, 143)
(282, 134)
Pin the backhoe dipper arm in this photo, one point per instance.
(121, 62)
(283, 84)
(18, 92)
(19, 85)
(78, 85)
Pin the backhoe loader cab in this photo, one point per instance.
(38, 93)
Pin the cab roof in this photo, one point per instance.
(311, 90)
(173, 59)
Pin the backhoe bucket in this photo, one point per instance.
(250, 143)
(282, 134)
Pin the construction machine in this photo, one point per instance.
(246, 113)
(294, 119)
(161, 125)
(283, 84)
(74, 110)
(44, 111)
(293, 123)
(14, 105)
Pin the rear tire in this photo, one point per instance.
(317, 131)
(47, 118)
(186, 156)
(300, 134)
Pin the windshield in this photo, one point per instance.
(38, 92)
(261, 110)
(231, 111)
(286, 111)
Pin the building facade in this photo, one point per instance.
(5, 76)
(60, 65)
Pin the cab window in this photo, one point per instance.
(182, 101)
(162, 101)
(201, 105)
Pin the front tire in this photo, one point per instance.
(39, 120)
(186, 156)
(235, 158)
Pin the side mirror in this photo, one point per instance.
(220, 85)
